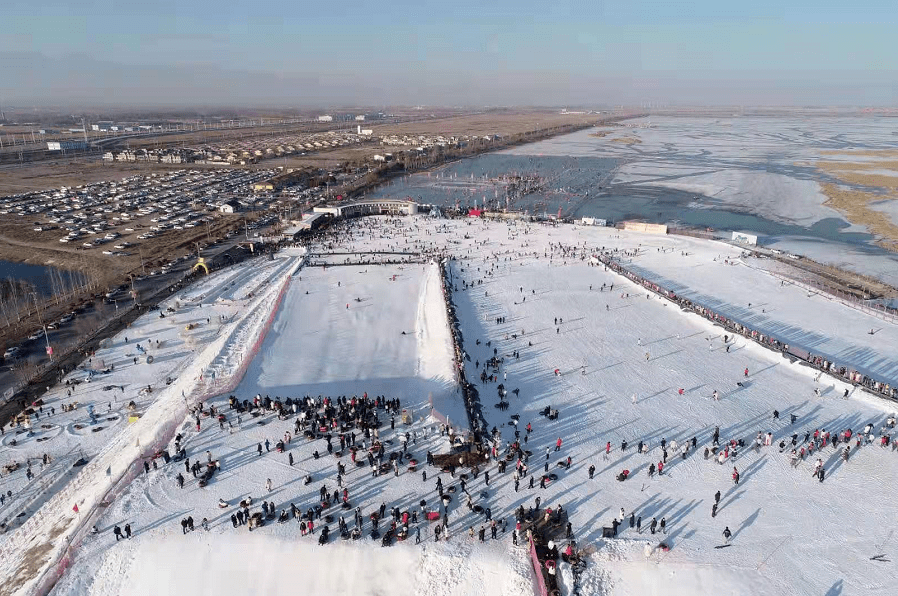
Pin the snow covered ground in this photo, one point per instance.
(791, 534)
(184, 346)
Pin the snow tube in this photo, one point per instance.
(433, 516)
(478, 509)
(451, 489)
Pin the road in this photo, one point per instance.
(98, 313)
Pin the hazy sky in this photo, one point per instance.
(456, 52)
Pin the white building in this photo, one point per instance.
(229, 207)
(378, 207)
(325, 118)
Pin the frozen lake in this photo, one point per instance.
(753, 174)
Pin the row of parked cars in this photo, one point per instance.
(13, 352)
(138, 207)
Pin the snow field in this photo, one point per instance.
(791, 534)
(42, 537)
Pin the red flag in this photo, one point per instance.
(75, 508)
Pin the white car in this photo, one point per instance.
(11, 352)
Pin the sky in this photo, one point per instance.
(462, 52)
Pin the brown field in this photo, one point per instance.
(501, 123)
(626, 140)
(883, 153)
(854, 204)
(860, 186)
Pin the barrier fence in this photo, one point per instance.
(541, 589)
(844, 372)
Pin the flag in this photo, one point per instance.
(75, 508)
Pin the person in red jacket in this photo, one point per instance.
(660, 467)
(558, 444)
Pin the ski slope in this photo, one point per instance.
(792, 535)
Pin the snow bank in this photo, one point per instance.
(242, 564)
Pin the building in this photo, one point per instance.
(360, 117)
(229, 207)
(378, 207)
(325, 118)
(66, 145)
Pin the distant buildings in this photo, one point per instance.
(325, 118)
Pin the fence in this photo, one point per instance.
(541, 589)
(880, 311)
(162, 438)
(821, 363)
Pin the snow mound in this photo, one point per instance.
(203, 564)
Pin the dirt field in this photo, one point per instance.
(854, 204)
(482, 124)
(865, 182)
(626, 140)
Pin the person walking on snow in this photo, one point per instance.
(268, 485)
(558, 444)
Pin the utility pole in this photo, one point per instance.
(41, 321)
(142, 268)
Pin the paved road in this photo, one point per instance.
(98, 314)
